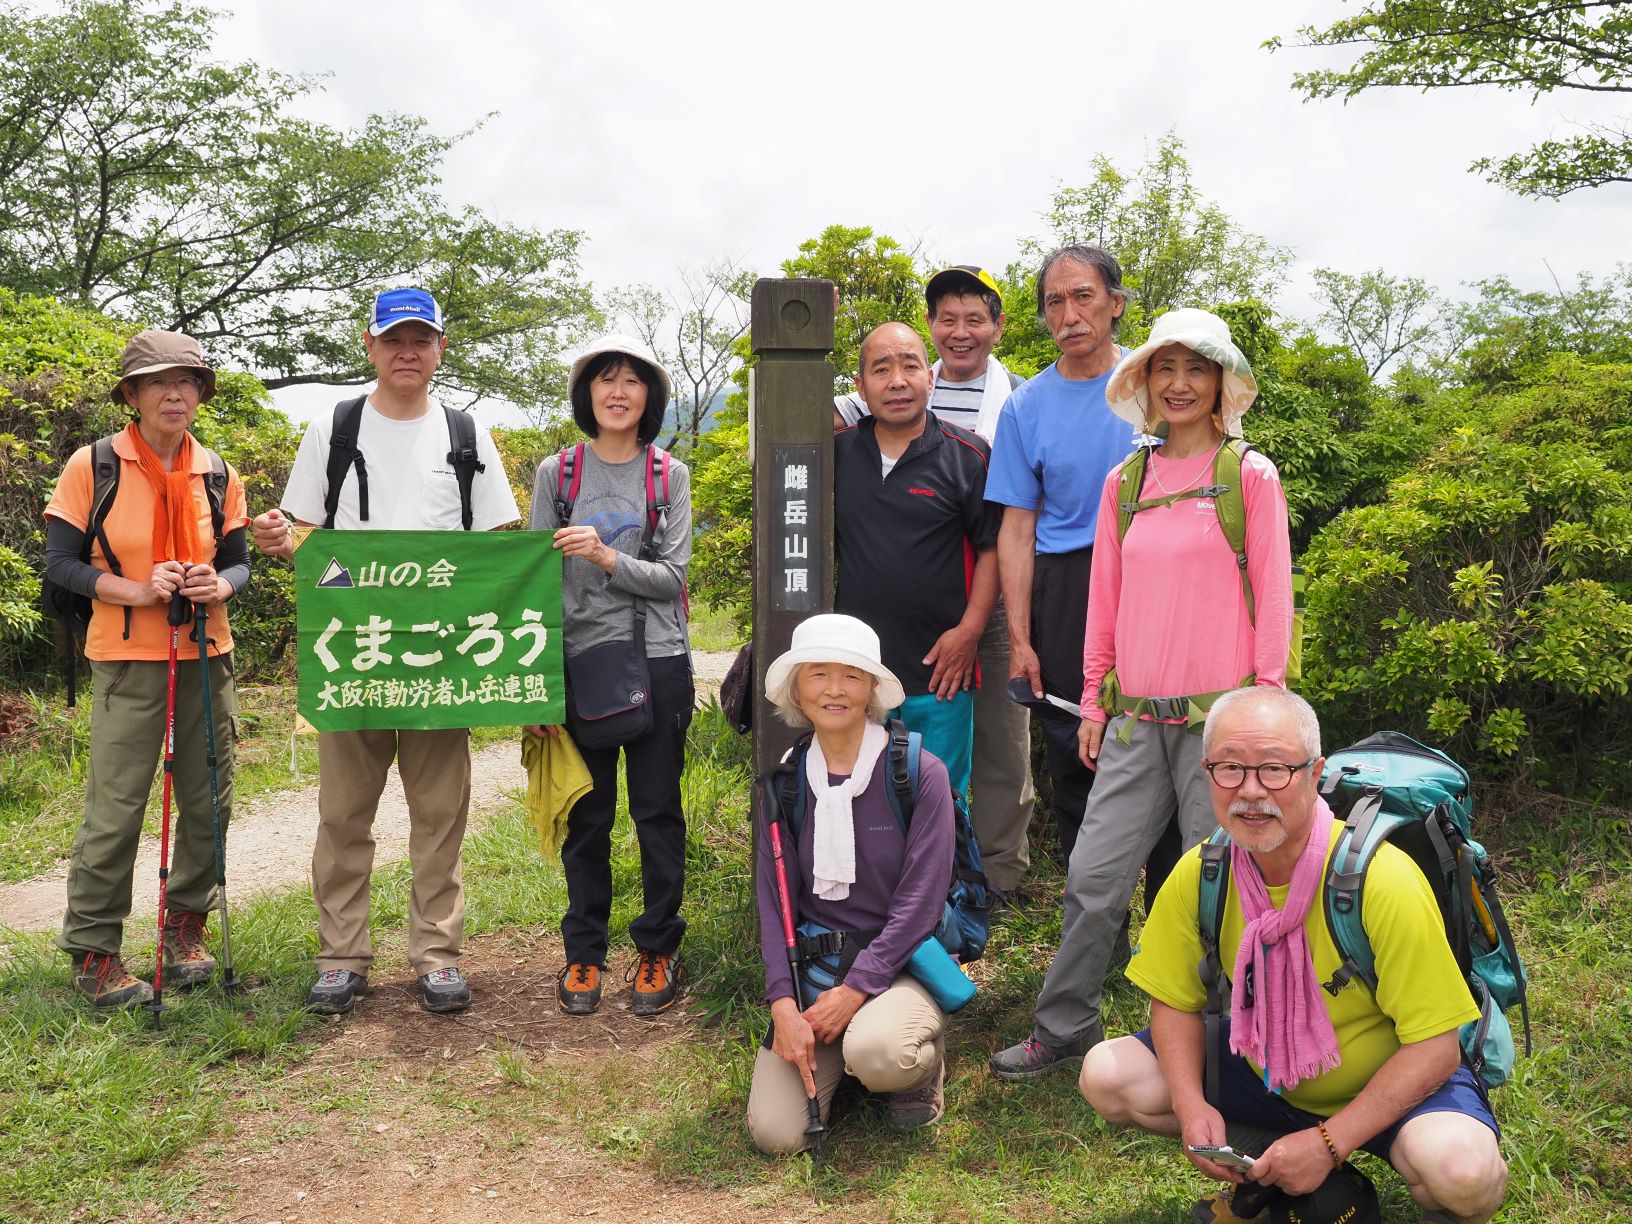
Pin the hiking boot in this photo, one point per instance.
(1219, 1208)
(103, 979)
(657, 983)
(578, 989)
(923, 1106)
(335, 991)
(187, 963)
(443, 991)
(1032, 1058)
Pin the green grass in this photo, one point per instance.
(96, 1113)
(714, 631)
(42, 773)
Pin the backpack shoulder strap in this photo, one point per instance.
(215, 492)
(1232, 510)
(463, 458)
(905, 752)
(1129, 485)
(343, 454)
(657, 499)
(568, 477)
(788, 779)
(1214, 888)
(105, 467)
(1343, 893)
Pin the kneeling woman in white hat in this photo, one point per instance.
(849, 868)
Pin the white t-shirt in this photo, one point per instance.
(411, 484)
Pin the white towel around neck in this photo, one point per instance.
(993, 396)
(833, 828)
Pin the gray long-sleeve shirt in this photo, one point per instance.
(598, 607)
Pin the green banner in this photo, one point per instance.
(425, 629)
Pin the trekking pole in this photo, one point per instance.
(816, 1131)
(229, 982)
(180, 611)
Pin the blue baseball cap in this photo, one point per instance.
(395, 306)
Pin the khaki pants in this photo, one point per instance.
(1000, 782)
(127, 744)
(435, 770)
(893, 1044)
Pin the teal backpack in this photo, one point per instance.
(1388, 787)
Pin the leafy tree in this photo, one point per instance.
(1382, 318)
(1175, 247)
(1485, 604)
(1505, 333)
(1532, 46)
(141, 177)
(694, 334)
(1295, 419)
(878, 281)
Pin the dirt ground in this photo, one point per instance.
(398, 1160)
(270, 845)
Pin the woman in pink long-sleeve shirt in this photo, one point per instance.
(1167, 610)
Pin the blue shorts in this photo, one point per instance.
(948, 728)
(1248, 1102)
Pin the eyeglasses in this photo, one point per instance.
(183, 383)
(1272, 775)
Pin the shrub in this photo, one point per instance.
(1485, 604)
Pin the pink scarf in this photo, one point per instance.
(1284, 1028)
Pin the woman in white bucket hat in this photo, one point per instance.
(620, 508)
(1176, 616)
(849, 867)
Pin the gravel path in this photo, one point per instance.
(271, 841)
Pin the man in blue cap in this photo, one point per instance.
(399, 436)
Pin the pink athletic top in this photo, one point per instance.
(1165, 605)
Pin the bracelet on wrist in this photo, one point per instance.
(1337, 1161)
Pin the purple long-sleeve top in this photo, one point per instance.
(900, 887)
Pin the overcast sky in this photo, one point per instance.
(674, 134)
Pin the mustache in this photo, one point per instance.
(1256, 807)
(1071, 333)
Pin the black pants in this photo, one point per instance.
(652, 767)
(1059, 622)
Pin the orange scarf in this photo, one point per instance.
(175, 518)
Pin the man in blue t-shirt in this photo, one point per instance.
(1056, 443)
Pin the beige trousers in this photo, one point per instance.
(1001, 795)
(893, 1044)
(435, 770)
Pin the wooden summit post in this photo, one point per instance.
(790, 430)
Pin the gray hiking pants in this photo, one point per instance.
(1139, 788)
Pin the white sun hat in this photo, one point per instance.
(832, 637)
(1128, 393)
(629, 347)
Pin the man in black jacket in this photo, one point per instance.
(915, 544)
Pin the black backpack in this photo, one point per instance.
(73, 610)
(343, 454)
(967, 921)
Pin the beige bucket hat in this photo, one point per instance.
(1128, 393)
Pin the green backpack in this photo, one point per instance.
(1225, 490)
(1388, 787)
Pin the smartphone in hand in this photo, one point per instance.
(1224, 1155)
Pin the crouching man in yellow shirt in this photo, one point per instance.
(1329, 1073)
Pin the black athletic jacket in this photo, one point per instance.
(905, 544)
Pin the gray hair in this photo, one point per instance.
(787, 705)
(1271, 700)
(1095, 257)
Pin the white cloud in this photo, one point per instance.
(675, 134)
